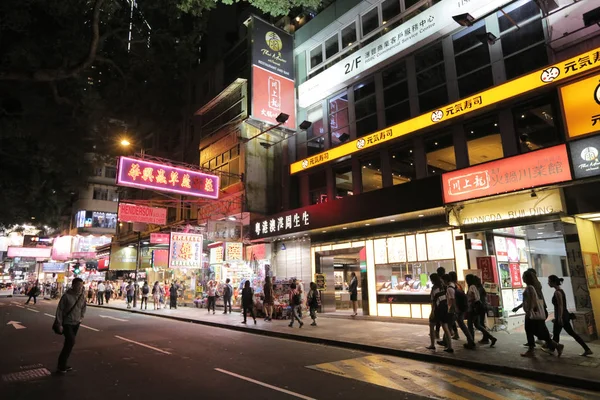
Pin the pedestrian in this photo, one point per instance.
(439, 313)
(536, 314)
(227, 293)
(353, 289)
(248, 301)
(458, 304)
(101, 290)
(156, 292)
(295, 299)
(130, 292)
(441, 271)
(484, 302)
(69, 314)
(123, 291)
(33, 292)
(173, 295)
(269, 299)
(212, 296)
(108, 291)
(145, 292)
(475, 311)
(313, 301)
(562, 317)
(90, 293)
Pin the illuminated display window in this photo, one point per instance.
(96, 219)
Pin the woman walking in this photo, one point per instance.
(475, 310)
(535, 316)
(313, 302)
(173, 295)
(439, 313)
(156, 292)
(295, 300)
(562, 318)
(247, 301)
(269, 300)
(353, 289)
(212, 295)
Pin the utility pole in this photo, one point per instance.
(137, 267)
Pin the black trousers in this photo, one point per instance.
(250, 309)
(144, 300)
(226, 301)
(69, 332)
(100, 298)
(535, 327)
(212, 300)
(34, 299)
(173, 303)
(569, 329)
(107, 295)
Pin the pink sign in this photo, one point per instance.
(160, 258)
(29, 252)
(143, 214)
(160, 238)
(144, 174)
(61, 248)
(515, 275)
(89, 255)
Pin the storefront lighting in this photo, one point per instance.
(367, 224)
(522, 115)
(344, 228)
(130, 246)
(232, 218)
(323, 231)
(495, 124)
(392, 220)
(465, 19)
(421, 215)
(145, 242)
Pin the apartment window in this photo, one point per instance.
(473, 66)
(332, 46)
(110, 172)
(535, 125)
(395, 93)
(440, 153)
(389, 9)
(483, 140)
(316, 133)
(317, 184)
(402, 163)
(370, 169)
(343, 181)
(365, 107)
(98, 171)
(316, 56)
(339, 119)
(349, 35)
(431, 78)
(370, 21)
(100, 194)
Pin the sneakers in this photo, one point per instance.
(470, 346)
(484, 341)
(441, 343)
(494, 340)
(301, 324)
(559, 349)
(430, 347)
(449, 350)
(528, 353)
(586, 353)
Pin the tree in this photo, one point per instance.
(68, 71)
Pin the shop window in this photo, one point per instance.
(472, 59)
(402, 163)
(430, 78)
(332, 46)
(371, 175)
(343, 181)
(440, 153)
(316, 133)
(389, 9)
(370, 21)
(316, 56)
(110, 172)
(317, 184)
(518, 39)
(349, 35)
(483, 140)
(429, 57)
(397, 113)
(394, 74)
(339, 119)
(535, 125)
(410, 3)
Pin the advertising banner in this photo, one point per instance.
(143, 174)
(160, 258)
(185, 250)
(538, 168)
(54, 267)
(234, 251)
(143, 214)
(61, 248)
(29, 252)
(272, 74)
(584, 156)
(122, 258)
(487, 265)
(515, 275)
(88, 255)
(103, 264)
(224, 231)
(581, 106)
(160, 238)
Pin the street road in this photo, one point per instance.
(120, 355)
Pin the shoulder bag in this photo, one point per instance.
(56, 325)
(537, 311)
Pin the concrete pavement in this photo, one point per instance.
(409, 341)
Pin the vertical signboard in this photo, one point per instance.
(272, 74)
(185, 250)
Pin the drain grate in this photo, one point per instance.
(24, 376)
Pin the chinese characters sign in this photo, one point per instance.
(224, 231)
(281, 225)
(581, 102)
(487, 266)
(29, 252)
(535, 80)
(160, 238)
(234, 251)
(144, 174)
(539, 168)
(185, 250)
(143, 214)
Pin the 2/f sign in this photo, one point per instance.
(352, 65)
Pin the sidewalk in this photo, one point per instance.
(409, 341)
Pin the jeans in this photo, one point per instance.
(295, 315)
(313, 313)
(144, 300)
(129, 300)
(70, 332)
(101, 298)
(569, 329)
(475, 319)
(211, 303)
(226, 301)
(460, 321)
(250, 309)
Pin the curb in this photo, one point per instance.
(533, 375)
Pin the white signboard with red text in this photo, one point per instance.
(142, 214)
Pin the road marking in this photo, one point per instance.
(298, 395)
(116, 319)
(49, 315)
(143, 345)
(16, 305)
(31, 309)
(16, 325)
(90, 328)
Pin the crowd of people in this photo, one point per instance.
(101, 292)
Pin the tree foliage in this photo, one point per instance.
(68, 71)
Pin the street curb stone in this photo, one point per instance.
(538, 376)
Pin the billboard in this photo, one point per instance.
(160, 258)
(143, 174)
(581, 106)
(61, 248)
(185, 250)
(54, 267)
(122, 258)
(143, 214)
(29, 252)
(159, 238)
(272, 74)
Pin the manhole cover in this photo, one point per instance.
(28, 375)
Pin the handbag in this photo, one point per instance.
(537, 313)
(56, 325)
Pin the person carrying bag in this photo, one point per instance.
(69, 314)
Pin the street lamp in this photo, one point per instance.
(125, 143)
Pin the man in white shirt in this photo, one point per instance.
(101, 289)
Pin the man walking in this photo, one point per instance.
(109, 291)
(101, 289)
(69, 314)
(130, 290)
(227, 293)
(33, 292)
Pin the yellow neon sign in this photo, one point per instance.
(566, 69)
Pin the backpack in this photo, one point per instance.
(227, 290)
(145, 289)
(296, 299)
(462, 303)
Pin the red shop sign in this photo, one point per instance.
(538, 168)
(487, 266)
(515, 275)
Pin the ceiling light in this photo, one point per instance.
(231, 218)
(410, 151)
(323, 231)
(145, 242)
(344, 228)
(392, 220)
(540, 233)
(393, 156)
(367, 224)
(421, 215)
(465, 19)
(496, 124)
(298, 18)
(384, 22)
(436, 143)
(522, 115)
